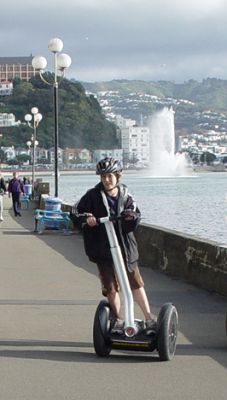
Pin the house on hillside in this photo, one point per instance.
(102, 153)
(10, 152)
(51, 154)
(7, 120)
(6, 88)
(16, 67)
(74, 155)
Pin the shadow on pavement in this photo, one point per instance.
(67, 355)
(50, 352)
(201, 313)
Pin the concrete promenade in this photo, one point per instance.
(48, 295)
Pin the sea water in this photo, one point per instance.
(195, 204)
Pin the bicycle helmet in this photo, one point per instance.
(108, 165)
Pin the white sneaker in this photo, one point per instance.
(1, 219)
(118, 326)
(151, 326)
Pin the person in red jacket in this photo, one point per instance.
(15, 188)
(110, 197)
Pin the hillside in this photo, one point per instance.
(197, 105)
(86, 109)
(82, 122)
(211, 93)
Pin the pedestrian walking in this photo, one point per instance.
(2, 192)
(15, 189)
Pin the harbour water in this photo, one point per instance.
(195, 204)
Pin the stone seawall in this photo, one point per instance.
(202, 263)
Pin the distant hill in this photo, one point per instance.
(197, 105)
(85, 117)
(82, 122)
(211, 93)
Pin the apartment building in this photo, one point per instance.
(16, 67)
(124, 122)
(135, 143)
(102, 153)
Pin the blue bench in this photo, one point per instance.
(53, 220)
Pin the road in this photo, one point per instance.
(48, 295)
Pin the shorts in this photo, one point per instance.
(109, 281)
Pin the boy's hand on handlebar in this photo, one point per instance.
(91, 220)
(129, 215)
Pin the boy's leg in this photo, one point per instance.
(138, 291)
(115, 303)
(110, 286)
(141, 299)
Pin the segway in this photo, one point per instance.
(133, 335)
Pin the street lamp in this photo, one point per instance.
(29, 143)
(61, 62)
(33, 122)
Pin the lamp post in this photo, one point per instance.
(33, 121)
(61, 62)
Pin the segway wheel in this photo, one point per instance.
(102, 344)
(167, 332)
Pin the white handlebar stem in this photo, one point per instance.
(119, 266)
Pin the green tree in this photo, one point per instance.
(81, 120)
(3, 157)
(207, 157)
(22, 158)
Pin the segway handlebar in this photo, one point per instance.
(119, 266)
(112, 218)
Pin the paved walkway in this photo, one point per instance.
(48, 295)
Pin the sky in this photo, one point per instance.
(152, 40)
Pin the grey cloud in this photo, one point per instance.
(146, 39)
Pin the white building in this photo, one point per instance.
(7, 119)
(52, 155)
(114, 153)
(135, 143)
(6, 88)
(73, 154)
(124, 122)
(41, 153)
(10, 152)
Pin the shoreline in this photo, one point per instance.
(63, 172)
(38, 173)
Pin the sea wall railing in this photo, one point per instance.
(200, 262)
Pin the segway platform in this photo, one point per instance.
(139, 342)
(163, 340)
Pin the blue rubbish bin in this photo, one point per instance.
(53, 204)
(28, 190)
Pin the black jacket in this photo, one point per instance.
(95, 238)
(2, 185)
